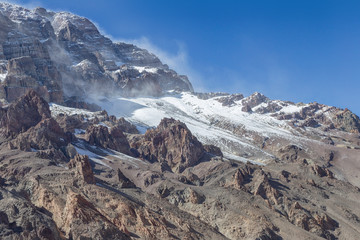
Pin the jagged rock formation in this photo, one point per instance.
(29, 126)
(113, 138)
(170, 142)
(82, 167)
(26, 112)
(59, 55)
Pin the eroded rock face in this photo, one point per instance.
(83, 169)
(291, 153)
(214, 150)
(254, 100)
(19, 219)
(26, 112)
(80, 212)
(347, 121)
(45, 135)
(230, 100)
(171, 142)
(124, 182)
(62, 55)
(113, 139)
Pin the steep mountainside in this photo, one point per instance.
(62, 55)
(100, 140)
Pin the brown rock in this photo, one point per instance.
(45, 135)
(214, 150)
(264, 189)
(246, 108)
(124, 182)
(113, 139)
(80, 214)
(26, 112)
(240, 177)
(83, 168)
(172, 142)
(322, 172)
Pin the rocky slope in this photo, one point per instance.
(62, 55)
(176, 165)
(167, 185)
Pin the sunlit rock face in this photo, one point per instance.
(60, 55)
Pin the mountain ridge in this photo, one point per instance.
(101, 140)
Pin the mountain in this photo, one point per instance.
(101, 140)
(63, 55)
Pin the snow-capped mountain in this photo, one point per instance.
(101, 140)
(63, 55)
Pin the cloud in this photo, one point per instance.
(179, 61)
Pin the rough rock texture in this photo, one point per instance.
(124, 182)
(170, 142)
(214, 150)
(19, 219)
(29, 126)
(26, 112)
(347, 121)
(61, 55)
(254, 100)
(45, 135)
(82, 167)
(113, 139)
(70, 122)
(230, 100)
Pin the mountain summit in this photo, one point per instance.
(101, 140)
(62, 55)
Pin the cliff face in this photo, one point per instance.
(60, 55)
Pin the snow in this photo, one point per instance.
(3, 76)
(119, 64)
(57, 109)
(89, 150)
(92, 156)
(202, 117)
(291, 109)
(146, 69)
(79, 131)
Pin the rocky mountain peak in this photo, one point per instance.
(62, 55)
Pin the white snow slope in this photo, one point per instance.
(201, 117)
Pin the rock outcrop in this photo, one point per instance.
(45, 135)
(124, 182)
(103, 137)
(61, 55)
(83, 169)
(171, 142)
(26, 112)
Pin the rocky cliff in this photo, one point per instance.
(62, 55)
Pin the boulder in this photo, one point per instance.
(124, 182)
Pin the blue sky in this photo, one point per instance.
(302, 51)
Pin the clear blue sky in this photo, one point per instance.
(301, 51)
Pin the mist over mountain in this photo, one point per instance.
(101, 140)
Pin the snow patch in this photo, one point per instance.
(3, 76)
(57, 109)
(146, 69)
